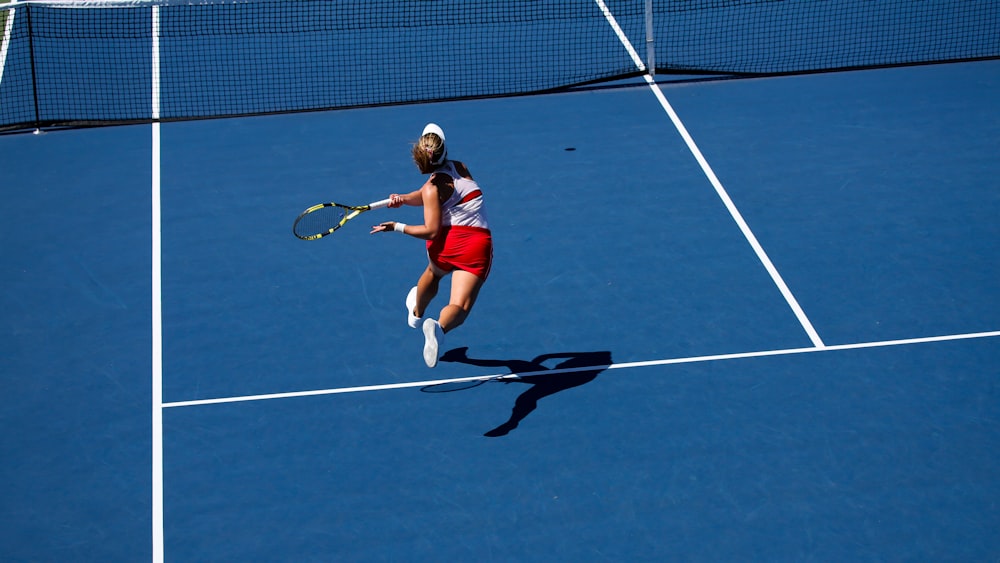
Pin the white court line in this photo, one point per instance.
(714, 180)
(621, 35)
(626, 365)
(157, 302)
(5, 40)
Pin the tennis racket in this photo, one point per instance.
(321, 220)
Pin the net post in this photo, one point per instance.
(650, 53)
(34, 73)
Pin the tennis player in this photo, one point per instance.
(457, 234)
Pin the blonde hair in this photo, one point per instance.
(428, 150)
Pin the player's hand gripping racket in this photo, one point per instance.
(325, 218)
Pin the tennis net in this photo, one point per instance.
(90, 63)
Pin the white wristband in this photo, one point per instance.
(398, 227)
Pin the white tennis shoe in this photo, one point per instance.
(411, 302)
(433, 340)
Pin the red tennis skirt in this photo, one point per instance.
(469, 249)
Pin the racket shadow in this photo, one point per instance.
(541, 385)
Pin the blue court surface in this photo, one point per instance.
(770, 334)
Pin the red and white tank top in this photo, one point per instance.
(465, 206)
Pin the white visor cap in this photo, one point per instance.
(434, 128)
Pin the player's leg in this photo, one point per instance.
(464, 291)
(427, 288)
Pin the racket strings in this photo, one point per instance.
(320, 221)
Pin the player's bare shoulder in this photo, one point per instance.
(462, 169)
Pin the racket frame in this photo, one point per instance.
(352, 212)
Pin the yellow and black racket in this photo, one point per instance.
(325, 218)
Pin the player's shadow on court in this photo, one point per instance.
(577, 369)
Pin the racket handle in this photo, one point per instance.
(379, 204)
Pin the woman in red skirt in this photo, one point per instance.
(457, 234)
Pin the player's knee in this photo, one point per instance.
(463, 304)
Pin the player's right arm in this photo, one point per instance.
(413, 198)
